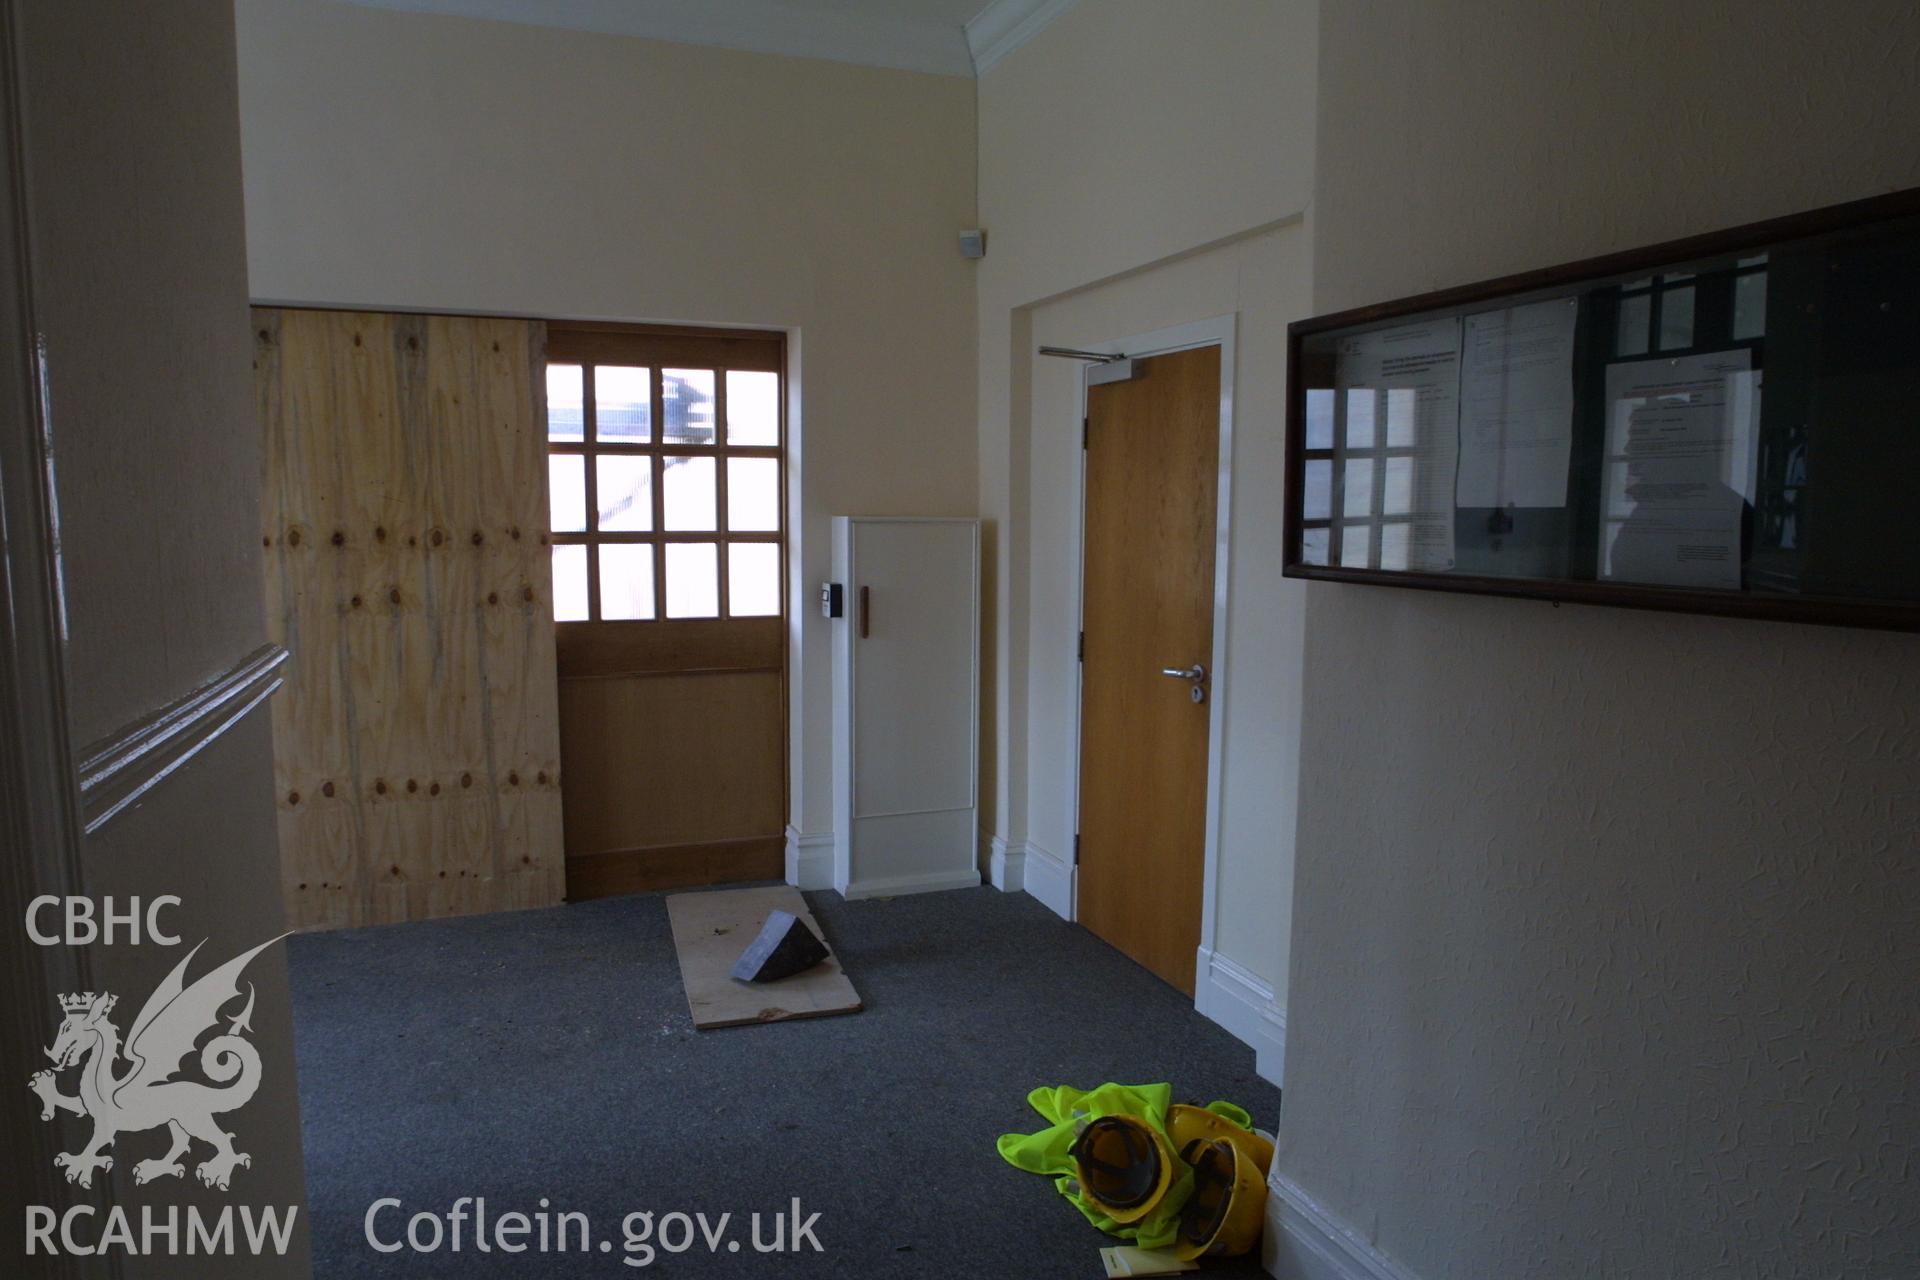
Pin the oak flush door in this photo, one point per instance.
(1146, 696)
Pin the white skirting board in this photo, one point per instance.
(1006, 864)
(926, 882)
(809, 859)
(1305, 1242)
(810, 867)
(1048, 877)
(1244, 1004)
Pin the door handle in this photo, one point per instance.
(1195, 673)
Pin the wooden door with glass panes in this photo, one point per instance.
(666, 468)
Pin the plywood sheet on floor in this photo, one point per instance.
(710, 930)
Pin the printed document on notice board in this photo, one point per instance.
(1400, 388)
(1516, 405)
(1681, 438)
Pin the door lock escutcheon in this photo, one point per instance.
(1196, 673)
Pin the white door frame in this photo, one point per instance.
(1218, 331)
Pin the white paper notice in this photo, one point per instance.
(1680, 439)
(1516, 405)
(1402, 383)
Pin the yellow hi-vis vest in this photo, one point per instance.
(1067, 1110)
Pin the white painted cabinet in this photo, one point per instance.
(906, 698)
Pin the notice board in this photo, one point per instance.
(1726, 424)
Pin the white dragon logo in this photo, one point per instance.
(146, 1096)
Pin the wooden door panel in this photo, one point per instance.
(673, 736)
(1152, 466)
(662, 760)
(679, 647)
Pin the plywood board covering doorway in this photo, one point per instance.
(416, 748)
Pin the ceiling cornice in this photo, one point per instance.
(1005, 25)
(756, 26)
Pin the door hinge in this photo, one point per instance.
(1085, 432)
(1083, 646)
(1076, 848)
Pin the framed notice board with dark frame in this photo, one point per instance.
(1725, 424)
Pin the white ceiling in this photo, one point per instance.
(941, 13)
(945, 37)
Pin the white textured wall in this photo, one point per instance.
(428, 162)
(138, 230)
(1604, 954)
(131, 159)
(1124, 138)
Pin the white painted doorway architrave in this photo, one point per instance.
(1052, 880)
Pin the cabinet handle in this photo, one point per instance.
(866, 616)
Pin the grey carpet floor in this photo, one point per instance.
(549, 1054)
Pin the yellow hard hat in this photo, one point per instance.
(1227, 1209)
(1186, 1123)
(1124, 1164)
